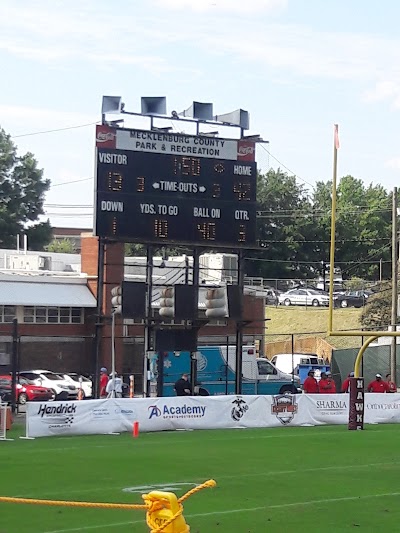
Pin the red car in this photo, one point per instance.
(27, 391)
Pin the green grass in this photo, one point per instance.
(314, 479)
(298, 319)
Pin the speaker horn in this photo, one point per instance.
(240, 117)
(199, 110)
(111, 104)
(154, 105)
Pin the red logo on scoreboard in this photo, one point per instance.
(246, 151)
(105, 136)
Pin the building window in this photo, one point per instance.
(53, 315)
(7, 313)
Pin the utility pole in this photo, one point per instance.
(394, 286)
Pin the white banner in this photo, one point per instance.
(184, 145)
(178, 144)
(199, 412)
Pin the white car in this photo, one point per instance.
(287, 362)
(74, 379)
(62, 389)
(304, 297)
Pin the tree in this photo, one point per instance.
(377, 313)
(22, 192)
(284, 209)
(139, 250)
(363, 225)
(61, 246)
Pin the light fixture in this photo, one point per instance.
(111, 104)
(199, 110)
(154, 105)
(239, 117)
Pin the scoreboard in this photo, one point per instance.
(158, 188)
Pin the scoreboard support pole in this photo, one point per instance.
(239, 330)
(148, 318)
(99, 319)
(196, 284)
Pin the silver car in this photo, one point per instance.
(304, 297)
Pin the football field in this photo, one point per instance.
(310, 479)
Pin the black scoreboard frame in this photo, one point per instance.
(163, 198)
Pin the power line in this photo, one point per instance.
(286, 168)
(69, 182)
(54, 131)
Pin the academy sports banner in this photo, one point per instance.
(198, 412)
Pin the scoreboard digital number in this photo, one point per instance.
(152, 197)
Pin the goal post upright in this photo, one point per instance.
(371, 335)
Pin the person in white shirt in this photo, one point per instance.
(114, 386)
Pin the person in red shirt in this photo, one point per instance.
(103, 382)
(310, 385)
(378, 385)
(326, 384)
(323, 383)
(346, 383)
(392, 385)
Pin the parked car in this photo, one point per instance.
(300, 364)
(5, 391)
(61, 388)
(351, 299)
(74, 379)
(272, 296)
(304, 297)
(288, 362)
(27, 391)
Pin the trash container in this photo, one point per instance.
(8, 418)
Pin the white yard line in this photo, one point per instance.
(181, 440)
(241, 475)
(243, 510)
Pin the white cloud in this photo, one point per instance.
(393, 163)
(230, 6)
(147, 38)
(385, 90)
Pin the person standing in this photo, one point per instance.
(114, 386)
(331, 385)
(326, 384)
(391, 384)
(346, 383)
(183, 386)
(310, 385)
(323, 383)
(103, 382)
(378, 385)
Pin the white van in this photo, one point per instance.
(287, 362)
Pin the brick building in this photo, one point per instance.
(56, 309)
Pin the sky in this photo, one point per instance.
(297, 66)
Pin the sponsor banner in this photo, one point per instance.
(246, 150)
(325, 408)
(214, 412)
(181, 145)
(105, 136)
(77, 417)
